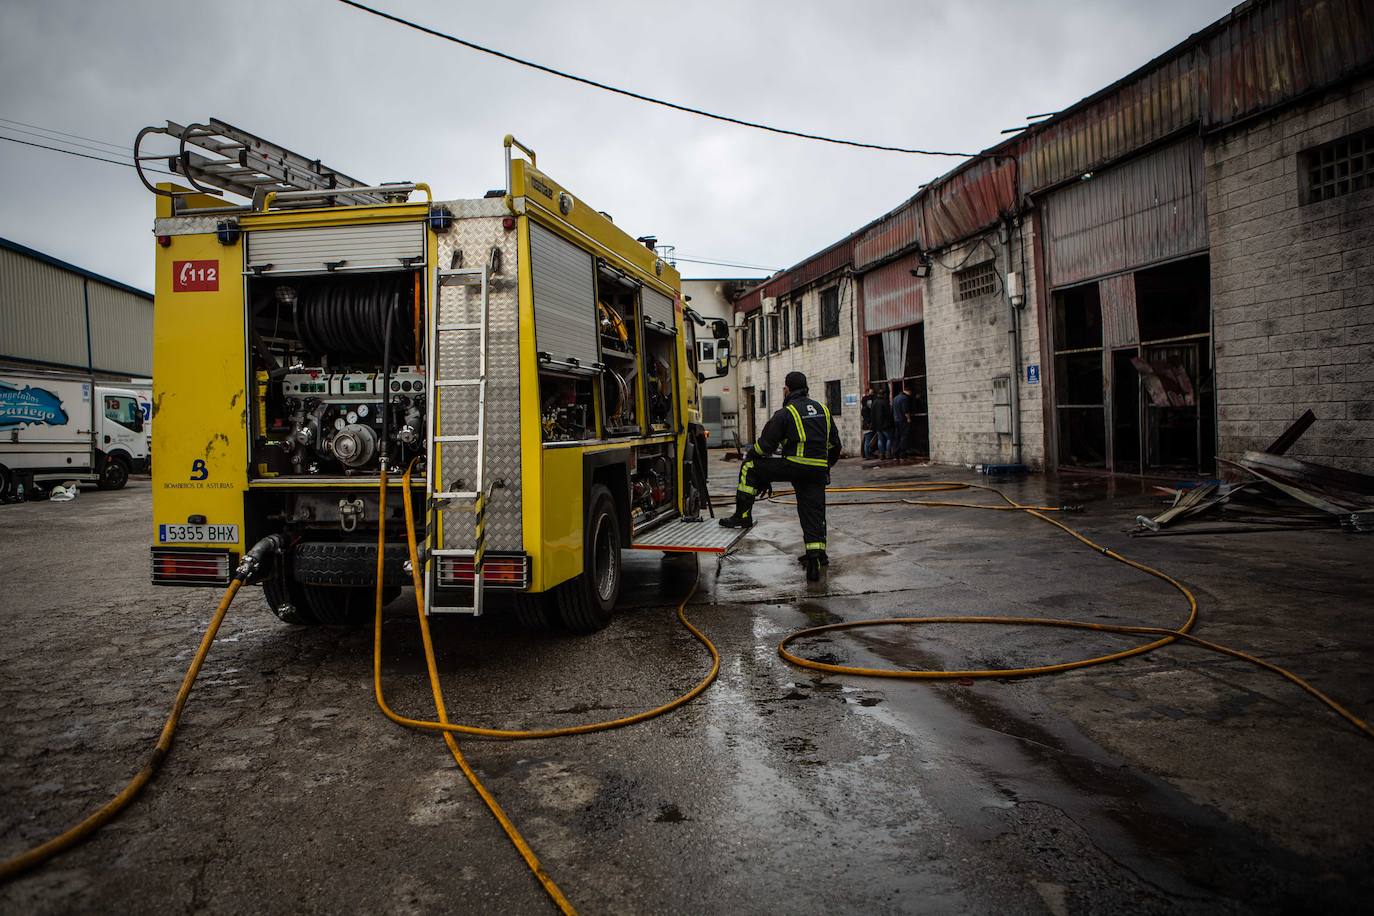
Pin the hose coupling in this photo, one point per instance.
(267, 547)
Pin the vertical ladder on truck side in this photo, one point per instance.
(445, 496)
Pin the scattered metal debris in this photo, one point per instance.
(1279, 493)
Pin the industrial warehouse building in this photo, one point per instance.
(55, 315)
(1166, 273)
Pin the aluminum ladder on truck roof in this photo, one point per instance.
(446, 499)
(217, 158)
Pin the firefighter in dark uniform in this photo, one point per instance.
(805, 434)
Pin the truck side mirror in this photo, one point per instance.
(720, 329)
(138, 421)
(722, 357)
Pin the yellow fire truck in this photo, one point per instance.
(533, 365)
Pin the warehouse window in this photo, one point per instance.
(1338, 168)
(832, 397)
(830, 312)
(797, 321)
(786, 326)
(773, 335)
(975, 281)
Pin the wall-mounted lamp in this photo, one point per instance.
(922, 268)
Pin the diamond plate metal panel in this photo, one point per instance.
(459, 358)
(699, 537)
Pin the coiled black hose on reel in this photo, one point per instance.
(345, 318)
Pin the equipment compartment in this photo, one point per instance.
(336, 383)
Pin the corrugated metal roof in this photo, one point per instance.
(1269, 53)
(1262, 55)
(826, 261)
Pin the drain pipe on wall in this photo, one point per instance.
(1016, 299)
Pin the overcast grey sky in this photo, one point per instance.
(384, 103)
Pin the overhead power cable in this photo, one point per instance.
(629, 93)
(117, 151)
(117, 147)
(72, 152)
(678, 257)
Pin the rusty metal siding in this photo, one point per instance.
(1153, 105)
(827, 261)
(897, 231)
(892, 297)
(1270, 53)
(42, 312)
(1120, 327)
(1146, 210)
(121, 331)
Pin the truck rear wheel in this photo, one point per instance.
(586, 603)
(288, 600)
(345, 605)
(114, 474)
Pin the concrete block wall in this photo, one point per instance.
(968, 344)
(821, 360)
(1293, 286)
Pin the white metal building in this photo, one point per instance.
(58, 316)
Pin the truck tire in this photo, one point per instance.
(288, 600)
(586, 603)
(114, 474)
(535, 613)
(346, 605)
(347, 563)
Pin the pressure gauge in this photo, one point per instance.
(352, 417)
(340, 422)
(362, 410)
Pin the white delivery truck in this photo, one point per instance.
(58, 426)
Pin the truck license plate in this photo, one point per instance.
(198, 534)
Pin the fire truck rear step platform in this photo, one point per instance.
(679, 536)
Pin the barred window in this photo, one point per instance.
(975, 281)
(830, 312)
(1341, 167)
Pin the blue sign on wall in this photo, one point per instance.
(1033, 374)
(30, 405)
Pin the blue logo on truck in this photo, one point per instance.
(30, 405)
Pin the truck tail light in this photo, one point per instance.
(498, 571)
(173, 566)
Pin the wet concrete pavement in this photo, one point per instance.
(1180, 781)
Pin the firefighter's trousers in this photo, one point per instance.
(807, 480)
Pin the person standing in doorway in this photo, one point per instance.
(866, 421)
(901, 422)
(882, 422)
(809, 442)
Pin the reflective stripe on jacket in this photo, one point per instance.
(803, 431)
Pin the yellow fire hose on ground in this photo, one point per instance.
(13, 867)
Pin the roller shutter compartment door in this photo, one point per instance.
(564, 280)
(338, 249)
(658, 310)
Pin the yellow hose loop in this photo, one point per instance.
(12, 868)
(442, 724)
(1164, 634)
(529, 734)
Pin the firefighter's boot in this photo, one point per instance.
(744, 513)
(813, 567)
